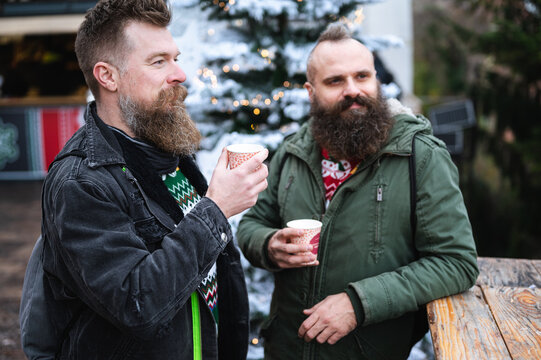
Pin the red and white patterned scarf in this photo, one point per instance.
(335, 172)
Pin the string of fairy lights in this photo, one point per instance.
(206, 76)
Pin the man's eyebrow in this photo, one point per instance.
(162, 54)
(341, 76)
(333, 77)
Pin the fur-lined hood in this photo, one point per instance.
(407, 124)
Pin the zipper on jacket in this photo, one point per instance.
(376, 250)
(196, 327)
(289, 181)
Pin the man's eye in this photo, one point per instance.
(158, 62)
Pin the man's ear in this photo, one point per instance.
(107, 75)
(310, 90)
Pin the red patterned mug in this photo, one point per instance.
(239, 153)
(311, 230)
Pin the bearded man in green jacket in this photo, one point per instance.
(377, 266)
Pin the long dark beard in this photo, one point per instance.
(352, 134)
(165, 123)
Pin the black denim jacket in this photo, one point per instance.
(119, 270)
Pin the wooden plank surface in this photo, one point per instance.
(462, 327)
(499, 318)
(509, 272)
(517, 312)
(537, 264)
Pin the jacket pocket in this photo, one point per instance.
(264, 332)
(91, 329)
(376, 245)
(366, 349)
(283, 193)
(151, 231)
(280, 340)
(128, 347)
(387, 340)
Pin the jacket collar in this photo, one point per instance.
(102, 146)
(406, 125)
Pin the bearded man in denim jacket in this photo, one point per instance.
(138, 252)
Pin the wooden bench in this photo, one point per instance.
(498, 318)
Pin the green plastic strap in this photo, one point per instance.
(196, 324)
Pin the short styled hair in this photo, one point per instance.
(101, 35)
(334, 32)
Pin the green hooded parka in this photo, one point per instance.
(366, 247)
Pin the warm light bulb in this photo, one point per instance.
(359, 16)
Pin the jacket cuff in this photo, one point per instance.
(209, 212)
(357, 305)
(267, 262)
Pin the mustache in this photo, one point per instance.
(338, 108)
(174, 96)
(360, 100)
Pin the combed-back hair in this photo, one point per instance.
(101, 35)
(334, 32)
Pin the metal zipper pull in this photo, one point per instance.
(379, 196)
(289, 181)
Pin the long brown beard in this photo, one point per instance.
(352, 134)
(165, 123)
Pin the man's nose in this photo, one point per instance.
(177, 75)
(351, 89)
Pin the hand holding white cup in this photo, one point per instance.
(310, 232)
(239, 153)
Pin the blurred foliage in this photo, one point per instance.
(490, 51)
